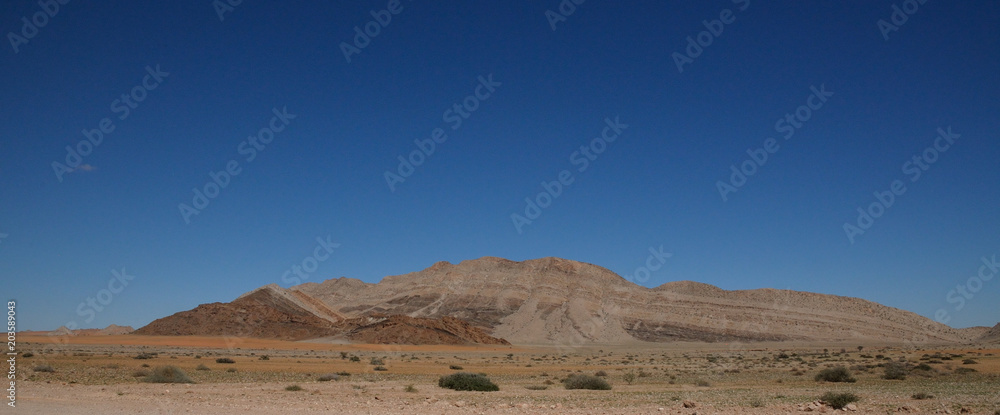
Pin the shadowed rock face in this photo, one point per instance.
(266, 313)
(400, 329)
(991, 336)
(549, 301)
(276, 313)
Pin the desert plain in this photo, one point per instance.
(107, 375)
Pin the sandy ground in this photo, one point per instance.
(94, 375)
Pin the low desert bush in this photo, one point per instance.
(586, 382)
(168, 374)
(328, 377)
(410, 388)
(964, 370)
(601, 373)
(27, 354)
(293, 388)
(702, 383)
(455, 367)
(202, 367)
(376, 361)
(835, 374)
(895, 371)
(44, 368)
(922, 396)
(140, 373)
(224, 360)
(969, 362)
(838, 400)
(463, 381)
(536, 387)
(143, 356)
(379, 369)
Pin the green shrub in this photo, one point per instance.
(168, 374)
(224, 360)
(463, 381)
(922, 396)
(835, 374)
(455, 367)
(293, 388)
(577, 381)
(894, 371)
(44, 368)
(629, 377)
(838, 400)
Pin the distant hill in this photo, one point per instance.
(549, 301)
(113, 329)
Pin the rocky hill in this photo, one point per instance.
(991, 336)
(277, 313)
(550, 301)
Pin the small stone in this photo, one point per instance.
(851, 407)
(460, 404)
(689, 404)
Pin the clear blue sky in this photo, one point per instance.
(656, 184)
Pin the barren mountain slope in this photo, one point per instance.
(558, 301)
(991, 336)
(267, 312)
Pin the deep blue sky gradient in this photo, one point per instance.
(655, 185)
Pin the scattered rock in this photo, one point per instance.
(689, 404)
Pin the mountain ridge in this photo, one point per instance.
(558, 301)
